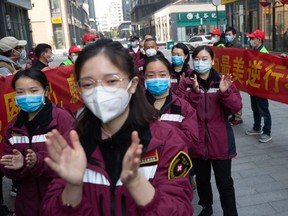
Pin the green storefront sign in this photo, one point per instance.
(198, 17)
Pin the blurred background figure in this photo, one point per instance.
(31, 55)
(11, 51)
(72, 56)
(44, 56)
(88, 38)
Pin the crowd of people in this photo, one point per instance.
(149, 126)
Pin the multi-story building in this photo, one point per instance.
(126, 10)
(14, 20)
(177, 21)
(115, 13)
(61, 23)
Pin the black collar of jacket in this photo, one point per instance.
(179, 73)
(42, 120)
(166, 105)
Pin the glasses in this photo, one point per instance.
(110, 83)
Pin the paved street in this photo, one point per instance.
(260, 171)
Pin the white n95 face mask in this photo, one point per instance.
(107, 105)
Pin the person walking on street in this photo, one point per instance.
(24, 139)
(122, 160)
(231, 41)
(260, 106)
(214, 97)
(180, 64)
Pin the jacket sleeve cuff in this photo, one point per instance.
(152, 205)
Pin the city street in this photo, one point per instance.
(260, 170)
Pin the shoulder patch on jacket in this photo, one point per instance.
(150, 157)
(180, 165)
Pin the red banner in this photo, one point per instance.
(256, 73)
(62, 92)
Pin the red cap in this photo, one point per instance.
(74, 49)
(257, 34)
(216, 32)
(88, 37)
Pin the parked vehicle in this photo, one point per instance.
(198, 40)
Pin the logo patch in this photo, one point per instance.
(150, 157)
(179, 166)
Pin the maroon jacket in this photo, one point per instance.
(179, 113)
(33, 182)
(216, 137)
(173, 196)
(176, 77)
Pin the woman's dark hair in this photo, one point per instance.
(31, 73)
(200, 48)
(141, 111)
(185, 50)
(155, 58)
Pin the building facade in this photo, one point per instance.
(63, 23)
(270, 16)
(14, 20)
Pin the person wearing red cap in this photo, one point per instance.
(217, 38)
(72, 56)
(260, 106)
(88, 38)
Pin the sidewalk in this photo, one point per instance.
(260, 171)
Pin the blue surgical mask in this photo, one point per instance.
(202, 67)
(177, 60)
(157, 86)
(30, 103)
(228, 38)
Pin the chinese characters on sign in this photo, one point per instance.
(256, 73)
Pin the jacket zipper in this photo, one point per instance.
(205, 122)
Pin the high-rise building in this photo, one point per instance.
(126, 10)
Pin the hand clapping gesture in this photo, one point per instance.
(69, 162)
(31, 158)
(195, 84)
(225, 82)
(13, 161)
(131, 160)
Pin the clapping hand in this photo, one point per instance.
(31, 158)
(195, 84)
(131, 160)
(13, 161)
(69, 162)
(225, 82)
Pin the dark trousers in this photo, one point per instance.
(260, 108)
(224, 183)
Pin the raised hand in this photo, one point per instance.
(69, 162)
(195, 84)
(131, 160)
(13, 161)
(225, 82)
(31, 158)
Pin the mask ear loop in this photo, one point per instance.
(43, 98)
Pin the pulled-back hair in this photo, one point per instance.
(140, 109)
(200, 48)
(31, 73)
(155, 58)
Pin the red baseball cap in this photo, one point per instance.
(74, 49)
(257, 34)
(216, 32)
(88, 37)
